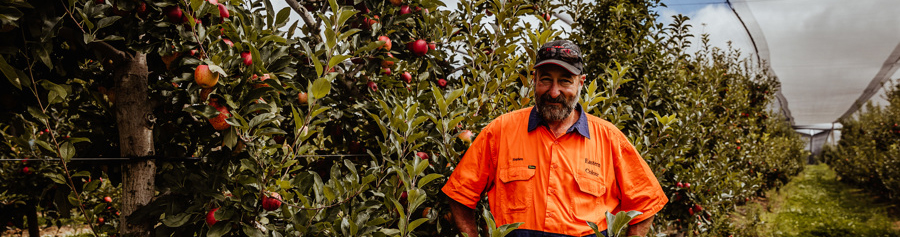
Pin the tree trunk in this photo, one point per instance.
(135, 140)
(34, 229)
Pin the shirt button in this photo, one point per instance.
(554, 166)
(550, 191)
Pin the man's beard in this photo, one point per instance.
(558, 112)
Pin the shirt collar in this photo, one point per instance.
(580, 126)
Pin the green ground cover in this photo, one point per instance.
(815, 203)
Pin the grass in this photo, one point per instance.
(815, 203)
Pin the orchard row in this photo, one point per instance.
(868, 152)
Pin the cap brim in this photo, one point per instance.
(571, 68)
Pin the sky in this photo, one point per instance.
(824, 52)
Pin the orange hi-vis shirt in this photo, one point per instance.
(554, 184)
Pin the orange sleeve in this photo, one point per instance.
(640, 190)
(476, 171)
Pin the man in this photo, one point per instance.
(552, 166)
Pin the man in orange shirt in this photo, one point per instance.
(552, 166)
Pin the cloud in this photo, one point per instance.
(825, 52)
(719, 22)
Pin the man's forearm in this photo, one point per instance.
(464, 218)
(640, 228)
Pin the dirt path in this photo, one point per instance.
(815, 204)
(67, 231)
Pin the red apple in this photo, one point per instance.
(218, 122)
(422, 155)
(213, 2)
(227, 41)
(431, 46)
(204, 77)
(204, 93)
(396, 2)
(142, 9)
(690, 211)
(248, 58)
(26, 170)
(698, 208)
(303, 97)
(687, 185)
(168, 59)
(466, 136)
(404, 10)
(387, 42)
(442, 82)
(271, 203)
(546, 16)
(406, 77)
(107, 199)
(387, 63)
(262, 80)
(101, 220)
(174, 13)
(223, 11)
(418, 47)
(372, 85)
(679, 184)
(369, 22)
(211, 217)
(387, 71)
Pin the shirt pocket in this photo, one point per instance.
(516, 189)
(588, 200)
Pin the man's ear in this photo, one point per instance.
(582, 79)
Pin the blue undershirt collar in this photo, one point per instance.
(580, 126)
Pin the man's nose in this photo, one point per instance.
(554, 91)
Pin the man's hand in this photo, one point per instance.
(464, 218)
(640, 228)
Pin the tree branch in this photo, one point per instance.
(109, 54)
(307, 18)
(104, 52)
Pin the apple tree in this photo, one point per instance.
(867, 151)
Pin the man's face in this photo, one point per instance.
(556, 92)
